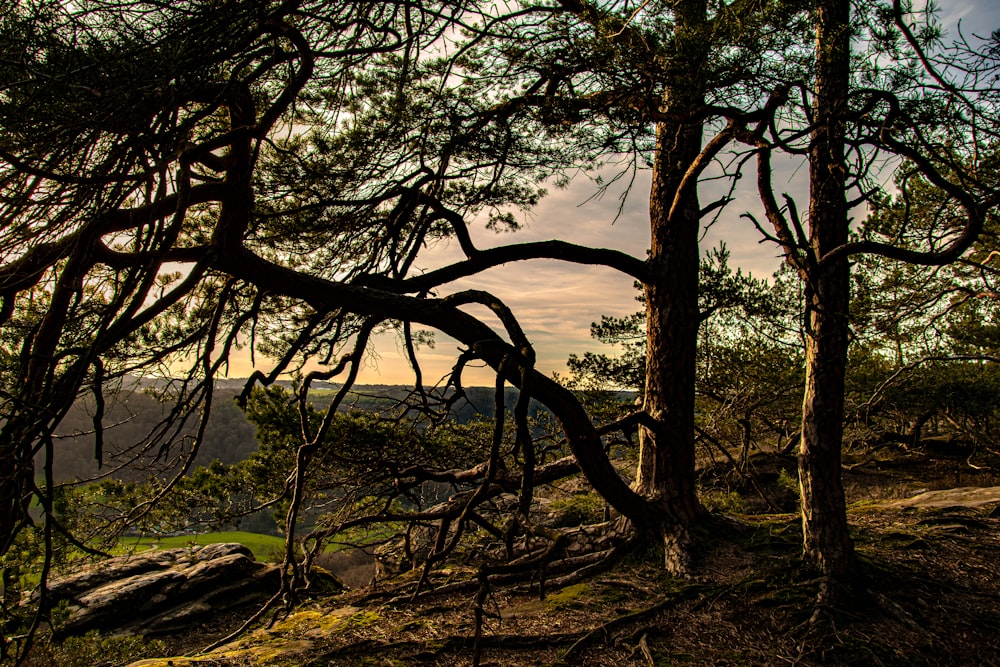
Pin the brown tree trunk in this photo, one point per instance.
(824, 514)
(666, 452)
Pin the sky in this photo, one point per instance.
(556, 302)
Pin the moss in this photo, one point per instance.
(323, 582)
(360, 620)
(902, 539)
(301, 622)
(567, 597)
(177, 662)
(278, 654)
(284, 643)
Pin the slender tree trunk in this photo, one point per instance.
(666, 453)
(824, 514)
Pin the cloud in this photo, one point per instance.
(556, 302)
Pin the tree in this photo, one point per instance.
(231, 191)
(674, 82)
(827, 298)
(748, 362)
(271, 173)
(239, 149)
(245, 156)
(855, 113)
(926, 333)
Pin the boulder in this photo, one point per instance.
(160, 591)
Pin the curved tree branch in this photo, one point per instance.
(324, 295)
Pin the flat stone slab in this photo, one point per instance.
(966, 496)
(160, 590)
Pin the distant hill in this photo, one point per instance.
(133, 413)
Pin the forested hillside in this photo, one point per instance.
(139, 408)
(130, 415)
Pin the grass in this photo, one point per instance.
(265, 548)
(262, 546)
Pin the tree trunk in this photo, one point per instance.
(666, 451)
(824, 514)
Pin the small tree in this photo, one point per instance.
(748, 355)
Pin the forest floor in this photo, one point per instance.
(927, 593)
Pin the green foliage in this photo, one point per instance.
(93, 650)
(596, 372)
(749, 356)
(578, 510)
(295, 158)
(727, 502)
(355, 465)
(262, 546)
(788, 481)
(21, 567)
(926, 337)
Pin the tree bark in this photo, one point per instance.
(824, 514)
(666, 452)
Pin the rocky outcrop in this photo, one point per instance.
(160, 591)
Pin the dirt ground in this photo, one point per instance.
(927, 535)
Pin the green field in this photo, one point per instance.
(264, 547)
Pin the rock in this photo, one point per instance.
(159, 591)
(116, 601)
(112, 570)
(324, 582)
(967, 496)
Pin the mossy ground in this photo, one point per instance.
(927, 593)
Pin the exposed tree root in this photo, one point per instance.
(605, 630)
(270, 604)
